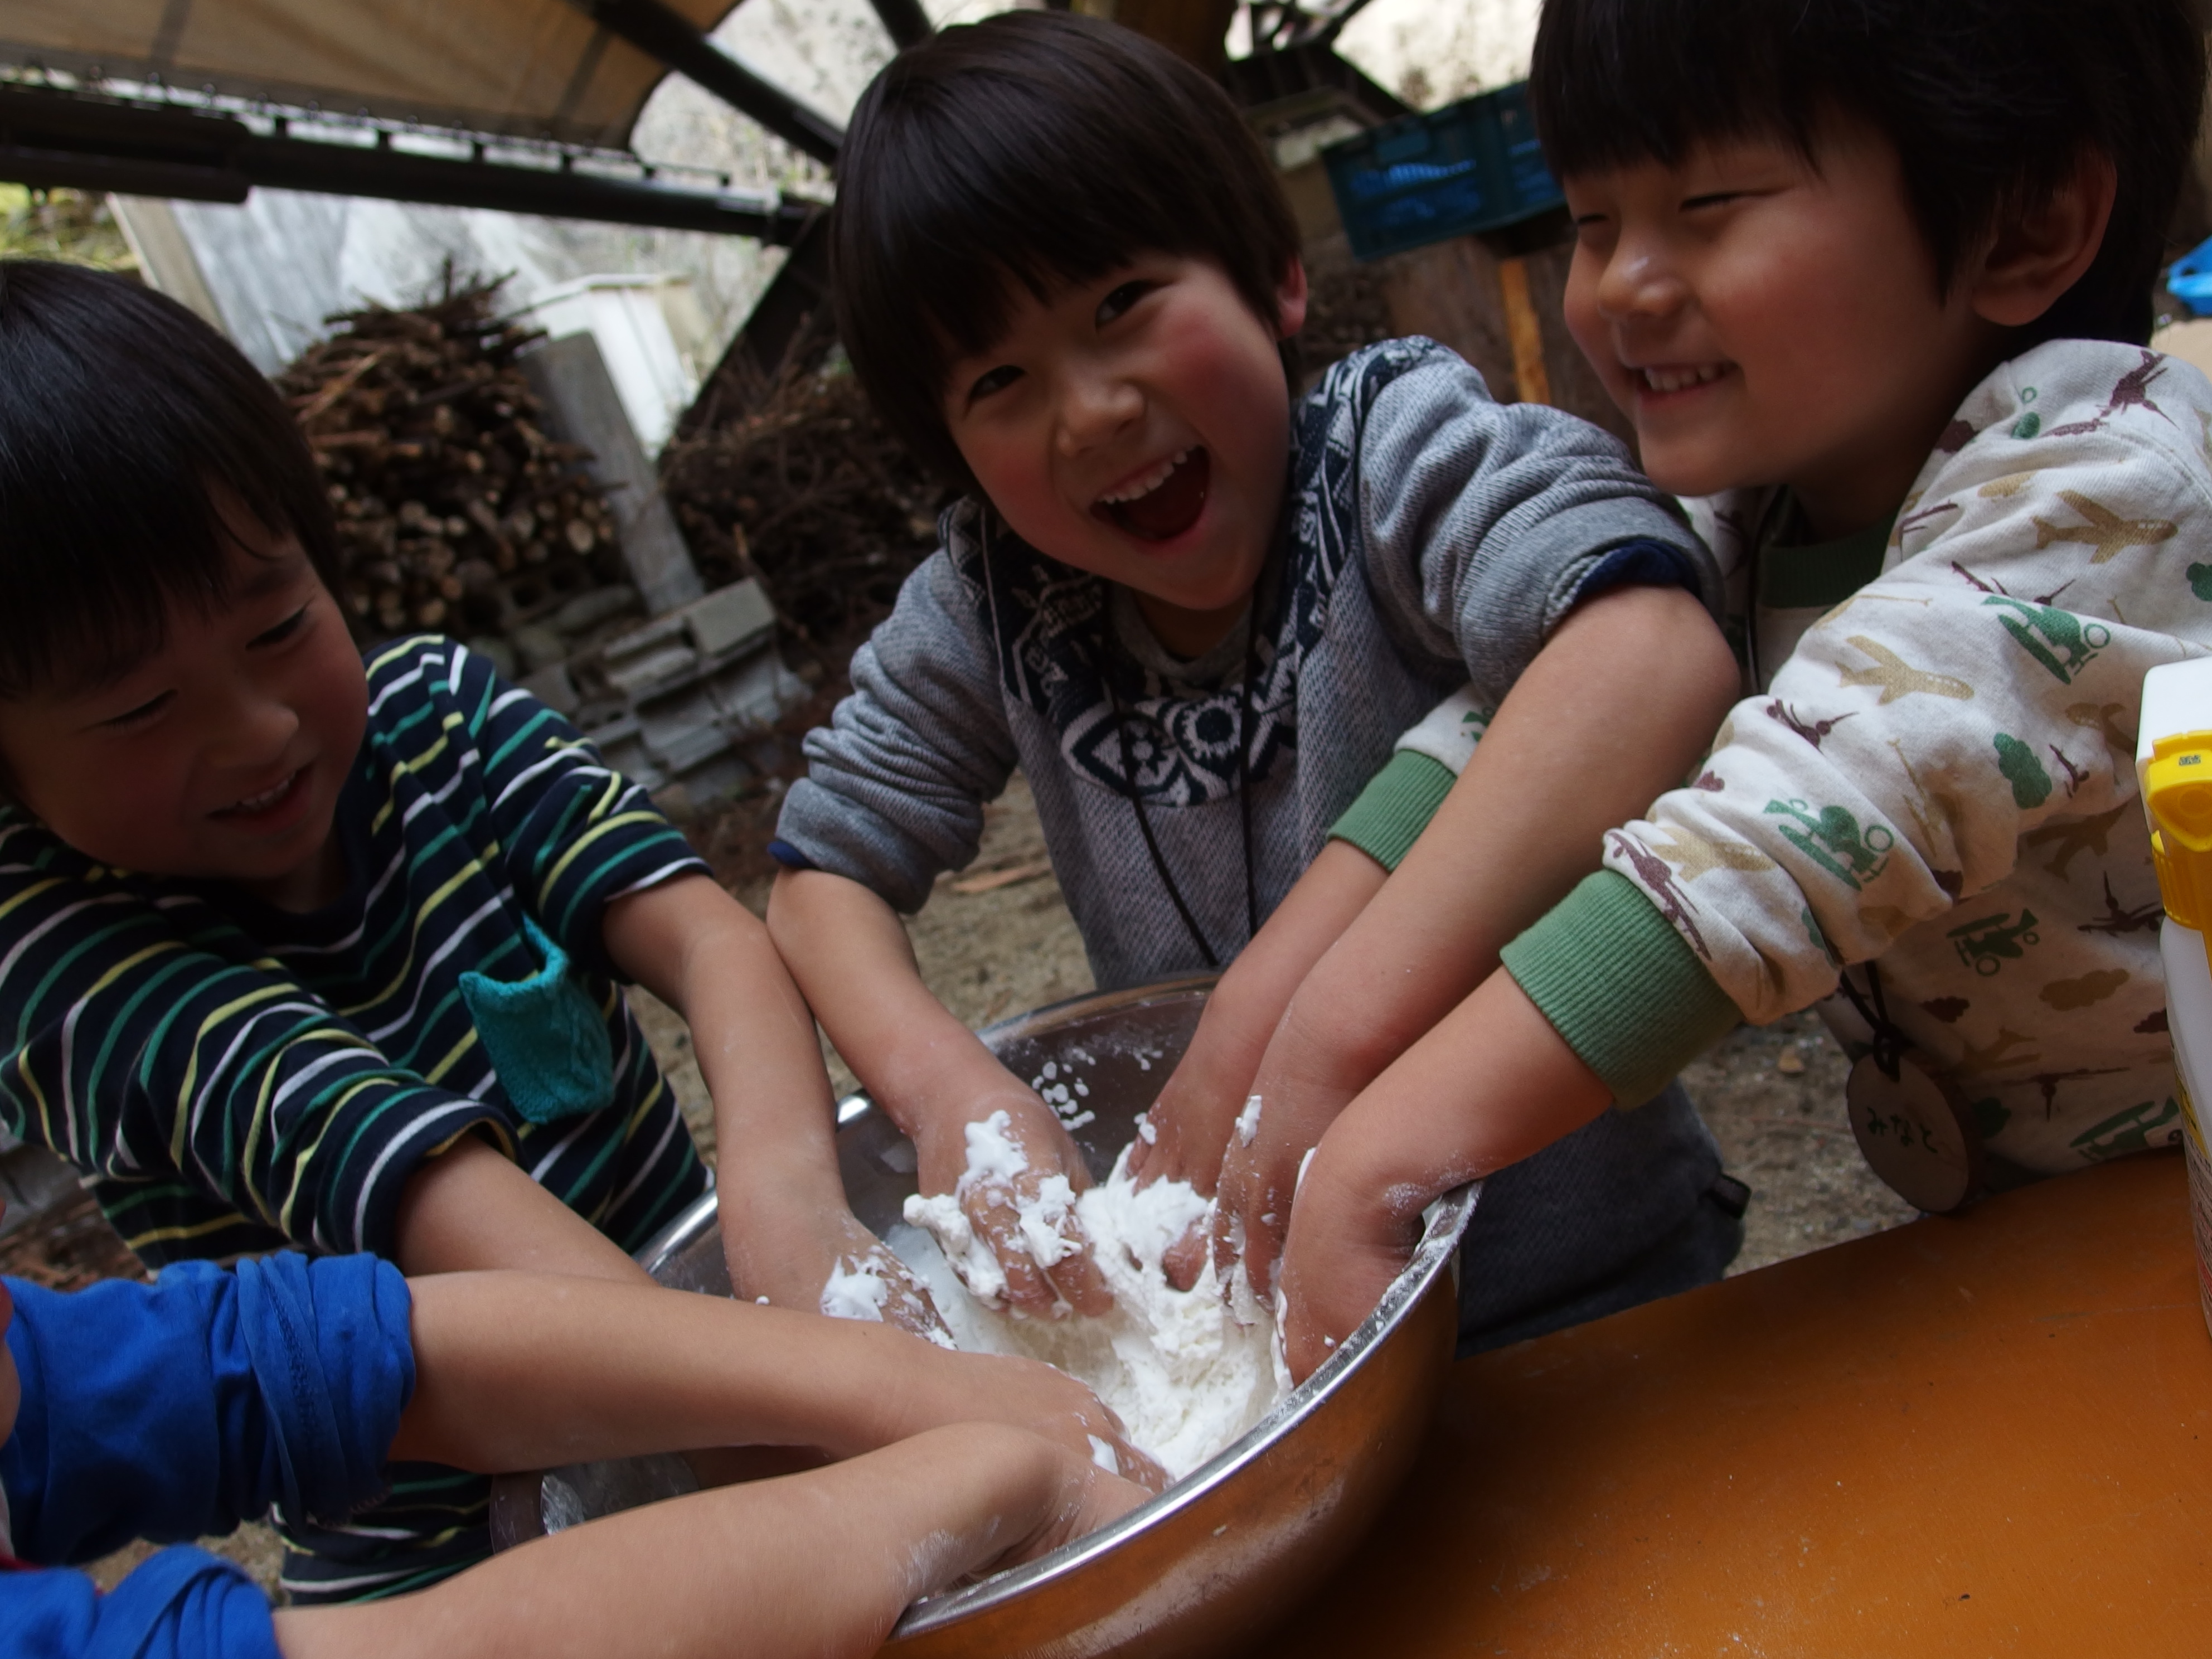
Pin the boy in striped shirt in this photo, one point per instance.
(298, 950)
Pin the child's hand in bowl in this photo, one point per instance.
(1083, 1497)
(1182, 1138)
(1029, 1395)
(1013, 1171)
(1269, 1146)
(817, 1258)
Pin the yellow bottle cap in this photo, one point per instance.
(2178, 792)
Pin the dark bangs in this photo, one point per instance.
(1017, 154)
(1989, 103)
(124, 421)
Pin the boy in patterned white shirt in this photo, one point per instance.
(1890, 327)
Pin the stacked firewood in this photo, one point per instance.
(456, 512)
(802, 486)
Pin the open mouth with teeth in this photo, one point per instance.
(267, 801)
(1678, 376)
(1162, 502)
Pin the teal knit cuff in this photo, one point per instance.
(1621, 986)
(1396, 805)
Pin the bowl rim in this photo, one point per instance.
(1444, 1220)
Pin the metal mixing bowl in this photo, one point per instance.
(1225, 1551)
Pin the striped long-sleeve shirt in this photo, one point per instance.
(233, 1078)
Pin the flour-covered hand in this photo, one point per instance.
(1027, 1394)
(1182, 1138)
(1272, 1137)
(1348, 1242)
(818, 1258)
(1001, 1203)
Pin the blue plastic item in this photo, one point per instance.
(1471, 166)
(2188, 279)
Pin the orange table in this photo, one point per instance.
(1987, 1435)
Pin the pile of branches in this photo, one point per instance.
(808, 491)
(456, 513)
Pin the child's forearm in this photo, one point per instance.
(1488, 1086)
(935, 1078)
(853, 960)
(1616, 710)
(812, 1567)
(471, 1207)
(1199, 1102)
(704, 954)
(523, 1371)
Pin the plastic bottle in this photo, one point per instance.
(2173, 769)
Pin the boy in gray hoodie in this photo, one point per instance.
(1197, 612)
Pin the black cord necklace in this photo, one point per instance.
(1889, 1044)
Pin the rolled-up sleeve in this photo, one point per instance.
(1486, 523)
(176, 1410)
(181, 1604)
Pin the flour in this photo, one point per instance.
(862, 1287)
(1248, 1121)
(853, 1292)
(1186, 1371)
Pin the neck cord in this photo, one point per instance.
(1889, 1042)
(1129, 785)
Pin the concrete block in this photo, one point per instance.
(729, 617)
(640, 676)
(589, 611)
(691, 748)
(755, 692)
(668, 630)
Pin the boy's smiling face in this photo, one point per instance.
(1764, 321)
(1138, 427)
(219, 756)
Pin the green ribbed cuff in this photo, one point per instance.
(1621, 986)
(1396, 805)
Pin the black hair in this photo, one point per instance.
(1037, 147)
(127, 426)
(1990, 105)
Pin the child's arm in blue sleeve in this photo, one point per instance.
(182, 1604)
(176, 1410)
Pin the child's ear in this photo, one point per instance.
(2037, 255)
(1291, 297)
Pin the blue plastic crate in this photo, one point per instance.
(1471, 166)
(2188, 279)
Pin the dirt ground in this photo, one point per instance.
(996, 939)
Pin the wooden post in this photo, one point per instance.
(1531, 384)
(572, 377)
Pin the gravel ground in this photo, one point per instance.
(1774, 1099)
